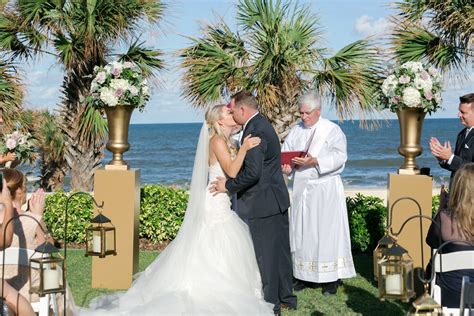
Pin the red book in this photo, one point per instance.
(286, 156)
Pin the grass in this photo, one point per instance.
(358, 296)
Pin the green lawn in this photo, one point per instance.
(357, 296)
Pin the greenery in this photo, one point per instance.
(357, 296)
(277, 53)
(438, 32)
(161, 212)
(80, 35)
(367, 221)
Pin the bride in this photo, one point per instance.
(210, 267)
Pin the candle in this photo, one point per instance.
(393, 284)
(96, 244)
(50, 279)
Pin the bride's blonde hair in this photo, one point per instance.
(214, 114)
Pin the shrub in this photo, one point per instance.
(80, 212)
(161, 212)
(367, 221)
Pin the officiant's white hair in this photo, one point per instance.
(310, 98)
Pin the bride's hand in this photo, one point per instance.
(250, 142)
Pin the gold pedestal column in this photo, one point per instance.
(418, 187)
(120, 191)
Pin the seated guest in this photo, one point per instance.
(13, 299)
(457, 224)
(26, 233)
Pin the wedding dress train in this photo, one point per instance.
(210, 267)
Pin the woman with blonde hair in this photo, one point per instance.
(210, 267)
(457, 224)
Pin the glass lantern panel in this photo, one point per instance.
(391, 279)
(110, 240)
(95, 241)
(409, 276)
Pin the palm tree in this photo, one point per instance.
(276, 54)
(439, 32)
(81, 34)
(11, 93)
(52, 151)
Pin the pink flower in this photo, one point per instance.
(428, 95)
(404, 79)
(424, 75)
(100, 77)
(11, 143)
(116, 71)
(395, 99)
(118, 92)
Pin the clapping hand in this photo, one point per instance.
(37, 202)
(308, 161)
(441, 152)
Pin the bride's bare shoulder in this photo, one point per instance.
(217, 141)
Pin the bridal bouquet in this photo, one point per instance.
(413, 84)
(119, 83)
(22, 144)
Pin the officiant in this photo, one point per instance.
(319, 228)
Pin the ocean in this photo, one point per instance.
(165, 152)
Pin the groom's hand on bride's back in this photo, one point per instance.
(218, 186)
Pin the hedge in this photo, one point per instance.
(162, 211)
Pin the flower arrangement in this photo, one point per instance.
(415, 85)
(22, 144)
(119, 83)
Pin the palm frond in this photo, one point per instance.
(350, 79)
(149, 60)
(214, 65)
(92, 127)
(414, 44)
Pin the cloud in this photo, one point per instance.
(366, 25)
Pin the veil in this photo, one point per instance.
(168, 276)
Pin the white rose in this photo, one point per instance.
(389, 85)
(133, 90)
(423, 84)
(121, 84)
(411, 97)
(107, 96)
(145, 90)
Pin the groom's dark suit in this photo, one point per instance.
(463, 152)
(263, 201)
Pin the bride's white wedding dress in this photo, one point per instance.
(210, 267)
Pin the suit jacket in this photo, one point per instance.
(463, 152)
(260, 187)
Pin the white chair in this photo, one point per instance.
(458, 260)
(467, 296)
(21, 256)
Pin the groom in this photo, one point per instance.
(263, 201)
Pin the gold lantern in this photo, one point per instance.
(100, 237)
(50, 268)
(426, 305)
(382, 246)
(396, 274)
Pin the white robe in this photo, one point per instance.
(319, 228)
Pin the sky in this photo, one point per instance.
(342, 22)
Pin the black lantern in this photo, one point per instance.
(396, 275)
(50, 268)
(380, 251)
(100, 237)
